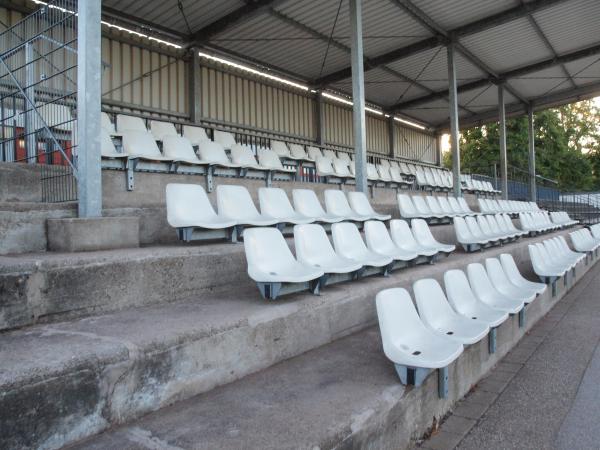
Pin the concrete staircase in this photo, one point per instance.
(147, 328)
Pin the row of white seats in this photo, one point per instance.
(537, 222)
(189, 209)
(340, 168)
(434, 179)
(432, 208)
(562, 218)
(275, 270)
(485, 231)
(473, 185)
(586, 240)
(489, 206)
(433, 335)
(553, 258)
(595, 230)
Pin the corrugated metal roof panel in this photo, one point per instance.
(586, 70)
(450, 14)
(508, 46)
(484, 98)
(571, 25)
(433, 112)
(539, 83)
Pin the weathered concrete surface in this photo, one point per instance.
(91, 234)
(20, 182)
(49, 287)
(342, 395)
(125, 364)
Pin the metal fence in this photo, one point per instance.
(38, 96)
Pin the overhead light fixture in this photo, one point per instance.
(253, 71)
(111, 25)
(408, 122)
(349, 103)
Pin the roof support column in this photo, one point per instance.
(531, 129)
(358, 95)
(454, 132)
(89, 73)
(392, 136)
(320, 119)
(502, 130)
(194, 87)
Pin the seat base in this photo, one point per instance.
(416, 375)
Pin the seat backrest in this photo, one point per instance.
(106, 124)
(395, 174)
(464, 205)
(242, 155)
(484, 226)
(347, 240)
(463, 234)
(384, 162)
(324, 166)
(421, 205)
(337, 203)
(431, 302)
(160, 129)
(311, 244)
(212, 152)
(372, 172)
(341, 167)
(178, 147)
(314, 153)
(458, 291)
(422, 233)
(297, 151)
(268, 158)
(401, 234)
(496, 273)
(384, 172)
(107, 147)
(266, 249)
(377, 237)
(125, 123)
(280, 148)
(404, 169)
(406, 206)
(235, 202)
(455, 205)
(187, 204)
(360, 203)
(474, 227)
(433, 205)
(274, 202)
(225, 138)
(445, 205)
(510, 267)
(140, 143)
(195, 134)
(329, 154)
(344, 156)
(479, 281)
(307, 203)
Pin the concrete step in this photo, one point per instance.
(70, 380)
(342, 395)
(50, 287)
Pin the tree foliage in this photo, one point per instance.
(567, 144)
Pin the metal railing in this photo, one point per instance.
(38, 96)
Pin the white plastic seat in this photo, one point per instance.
(337, 204)
(384, 173)
(274, 202)
(297, 152)
(424, 237)
(397, 177)
(348, 244)
(226, 139)
(485, 291)
(404, 239)
(503, 285)
(464, 205)
(423, 209)
(568, 259)
(195, 134)
(242, 155)
(552, 259)
(128, 123)
(188, 206)
(214, 154)
(372, 173)
(504, 226)
(465, 237)
(379, 241)
(562, 243)
(407, 207)
(445, 206)
(406, 340)
(583, 242)
(160, 129)
(344, 157)
(476, 230)
(270, 261)
(512, 272)
(141, 145)
(280, 148)
(330, 154)
(457, 208)
(314, 153)
(269, 159)
(487, 230)
(361, 206)
(324, 167)
(463, 300)
(314, 249)
(180, 150)
(106, 124)
(340, 166)
(107, 147)
(543, 268)
(307, 203)
(235, 203)
(499, 230)
(436, 313)
(434, 207)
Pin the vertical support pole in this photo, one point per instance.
(492, 339)
(358, 95)
(320, 119)
(531, 129)
(502, 129)
(392, 136)
(194, 86)
(89, 72)
(30, 116)
(453, 100)
(443, 382)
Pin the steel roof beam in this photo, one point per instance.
(525, 70)
(429, 43)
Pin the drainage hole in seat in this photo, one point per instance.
(450, 333)
(474, 318)
(272, 273)
(416, 352)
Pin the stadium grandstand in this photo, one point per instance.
(227, 224)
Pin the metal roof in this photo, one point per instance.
(546, 52)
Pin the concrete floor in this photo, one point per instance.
(545, 393)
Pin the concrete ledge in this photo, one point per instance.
(90, 234)
(126, 364)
